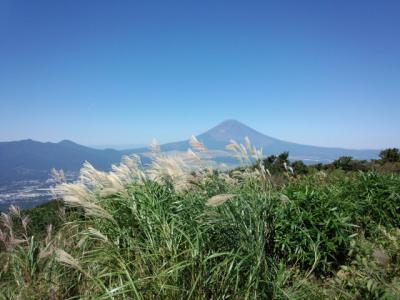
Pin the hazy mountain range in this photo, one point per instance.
(28, 159)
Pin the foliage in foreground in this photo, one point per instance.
(211, 235)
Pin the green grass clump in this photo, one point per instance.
(315, 237)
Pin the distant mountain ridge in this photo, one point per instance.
(223, 132)
(219, 136)
(28, 159)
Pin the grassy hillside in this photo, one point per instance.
(182, 231)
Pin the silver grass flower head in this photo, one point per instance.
(49, 230)
(173, 168)
(129, 170)
(251, 175)
(25, 221)
(106, 192)
(46, 252)
(288, 168)
(93, 178)
(74, 192)
(123, 173)
(228, 179)
(254, 152)
(320, 175)
(155, 146)
(243, 151)
(223, 166)
(78, 195)
(15, 211)
(166, 166)
(58, 175)
(239, 151)
(284, 199)
(7, 221)
(82, 241)
(94, 210)
(61, 213)
(66, 259)
(196, 144)
(262, 169)
(192, 155)
(233, 146)
(3, 236)
(257, 153)
(291, 170)
(14, 242)
(131, 161)
(236, 174)
(342, 274)
(248, 144)
(8, 238)
(219, 199)
(94, 233)
(113, 181)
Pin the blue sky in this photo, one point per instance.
(121, 72)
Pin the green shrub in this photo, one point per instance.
(312, 228)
